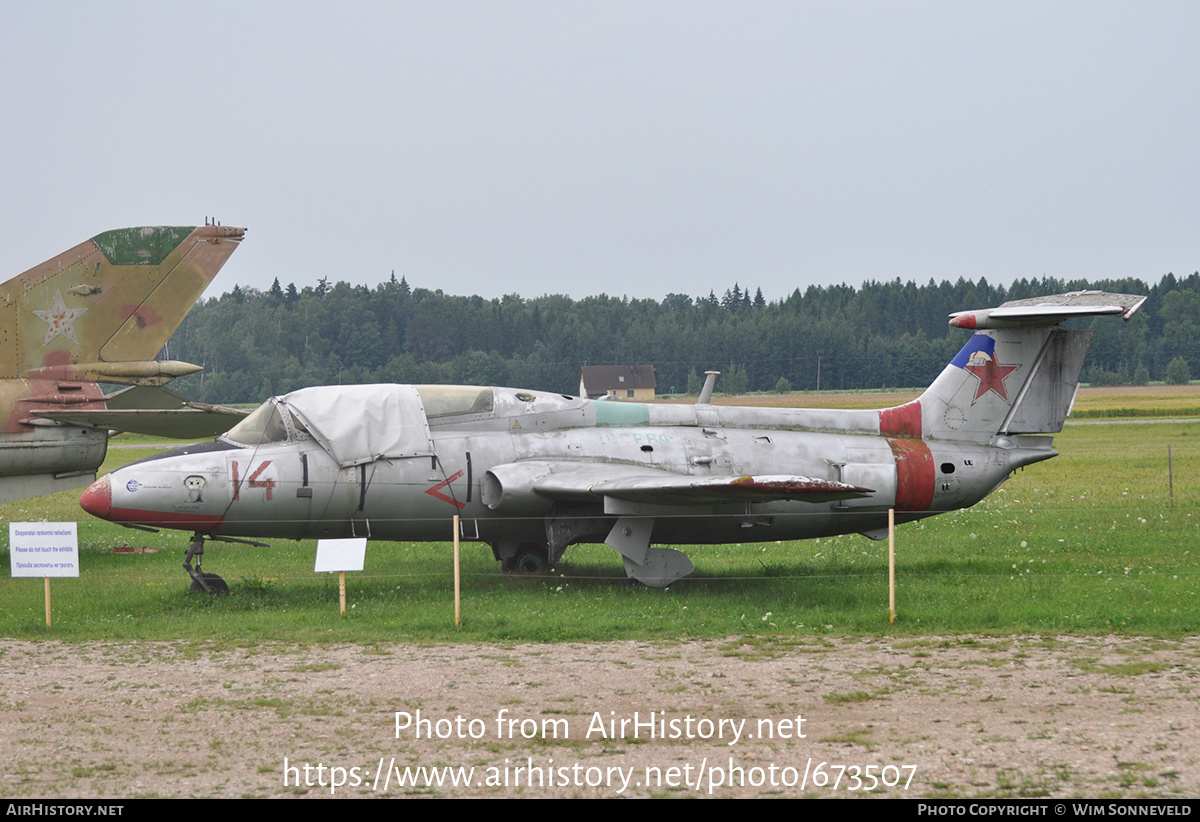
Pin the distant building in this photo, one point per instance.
(625, 382)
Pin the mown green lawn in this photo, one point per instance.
(1084, 543)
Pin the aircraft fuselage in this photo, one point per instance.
(295, 488)
(532, 473)
(37, 455)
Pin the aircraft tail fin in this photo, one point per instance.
(110, 303)
(1018, 374)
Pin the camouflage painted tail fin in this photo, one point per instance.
(1018, 374)
(104, 309)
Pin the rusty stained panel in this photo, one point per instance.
(901, 421)
(805, 489)
(914, 474)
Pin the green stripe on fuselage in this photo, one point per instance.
(622, 413)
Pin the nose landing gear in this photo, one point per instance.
(202, 581)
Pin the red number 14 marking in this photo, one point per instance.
(253, 480)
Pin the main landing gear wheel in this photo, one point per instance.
(528, 558)
(531, 562)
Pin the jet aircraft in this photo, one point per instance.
(99, 312)
(531, 473)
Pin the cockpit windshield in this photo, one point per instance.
(454, 400)
(265, 424)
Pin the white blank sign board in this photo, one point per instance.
(43, 549)
(335, 555)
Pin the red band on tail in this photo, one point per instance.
(914, 474)
(901, 421)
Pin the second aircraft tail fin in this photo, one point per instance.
(105, 308)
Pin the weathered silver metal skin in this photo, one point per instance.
(531, 473)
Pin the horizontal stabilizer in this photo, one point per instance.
(1049, 310)
(178, 423)
(156, 412)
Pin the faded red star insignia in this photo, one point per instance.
(991, 376)
(59, 319)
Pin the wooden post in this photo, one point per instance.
(1170, 477)
(342, 591)
(457, 600)
(47, 601)
(891, 565)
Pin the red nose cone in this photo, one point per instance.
(97, 499)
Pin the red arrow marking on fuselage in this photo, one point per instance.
(436, 491)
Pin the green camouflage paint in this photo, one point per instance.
(148, 245)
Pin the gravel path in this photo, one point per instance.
(970, 717)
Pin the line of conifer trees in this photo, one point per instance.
(891, 334)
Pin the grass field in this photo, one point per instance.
(1157, 401)
(1085, 543)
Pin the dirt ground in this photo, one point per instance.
(966, 717)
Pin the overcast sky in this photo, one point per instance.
(636, 148)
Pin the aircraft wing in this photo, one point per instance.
(154, 411)
(506, 484)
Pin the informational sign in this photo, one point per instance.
(341, 555)
(44, 549)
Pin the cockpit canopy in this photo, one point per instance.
(264, 424)
(358, 424)
(455, 400)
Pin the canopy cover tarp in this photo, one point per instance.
(359, 424)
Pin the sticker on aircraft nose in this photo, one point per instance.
(195, 485)
(134, 485)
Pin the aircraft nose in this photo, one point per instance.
(97, 499)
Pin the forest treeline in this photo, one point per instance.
(893, 334)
